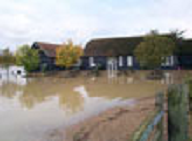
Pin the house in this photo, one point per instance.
(117, 53)
(185, 54)
(47, 54)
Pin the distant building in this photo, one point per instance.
(117, 53)
(47, 53)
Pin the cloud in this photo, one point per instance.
(57, 20)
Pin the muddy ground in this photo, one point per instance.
(117, 124)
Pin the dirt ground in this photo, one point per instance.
(117, 124)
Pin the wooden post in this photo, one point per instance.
(178, 113)
(189, 82)
(160, 108)
(152, 127)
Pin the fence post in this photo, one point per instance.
(160, 108)
(152, 128)
(189, 83)
(178, 113)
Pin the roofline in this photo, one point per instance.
(39, 42)
(123, 37)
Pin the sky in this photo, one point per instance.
(55, 21)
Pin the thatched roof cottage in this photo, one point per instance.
(117, 53)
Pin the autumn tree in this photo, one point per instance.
(154, 50)
(27, 57)
(68, 54)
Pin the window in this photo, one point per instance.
(120, 61)
(165, 62)
(169, 61)
(91, 61)
(172, 60)
(129, 61)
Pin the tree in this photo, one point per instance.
(27, 57)
(178, 34)
(68, 54)
(7, 58)
(154, 50)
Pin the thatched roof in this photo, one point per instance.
(114, 46)
(47, 48)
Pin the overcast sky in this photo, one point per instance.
(55, 21)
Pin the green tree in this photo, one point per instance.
(68, 54)
(154, 50)
(27, 57)
(7, 58)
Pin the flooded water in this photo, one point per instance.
(33, 109)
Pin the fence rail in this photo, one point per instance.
(178, 116)
(153, 126)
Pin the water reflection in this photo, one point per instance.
(38, 90)
(168, 79)
(70, 100)
(36, 106)
(95, 101)
(11, 75)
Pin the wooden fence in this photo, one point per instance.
(178, 106)
(189, 82)
(178, 117)
(190, 107)
(152, 128)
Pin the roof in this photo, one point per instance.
(47, 48)
(114, 46)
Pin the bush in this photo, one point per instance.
(27, 57)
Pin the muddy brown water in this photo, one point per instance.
(33, 109)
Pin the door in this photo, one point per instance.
(112, 66)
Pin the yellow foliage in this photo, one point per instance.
(68, 54)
